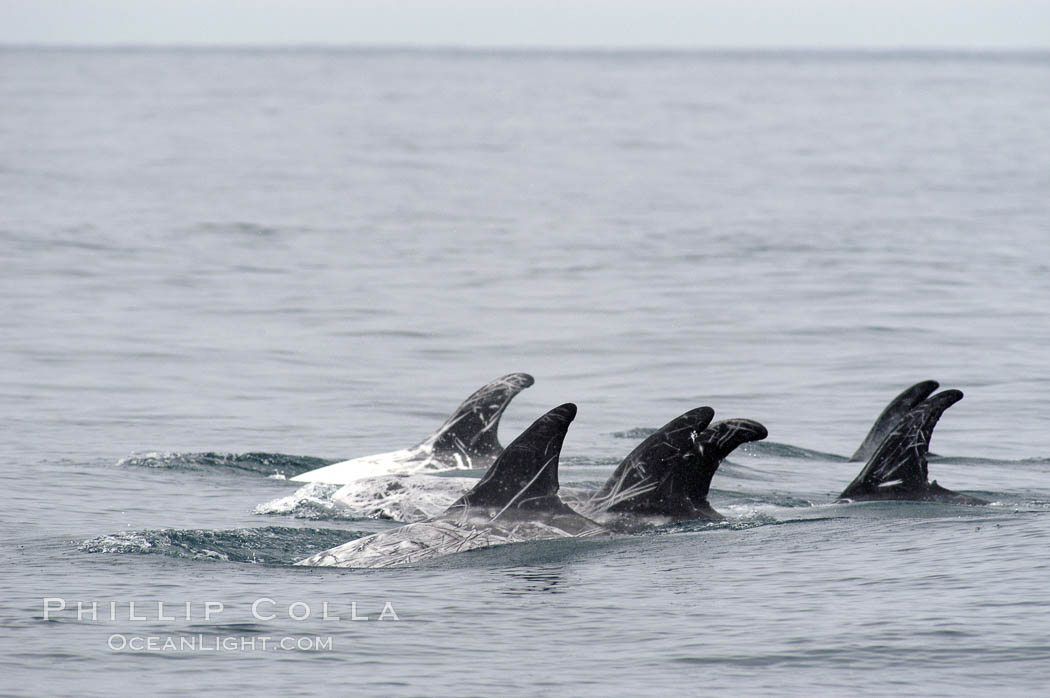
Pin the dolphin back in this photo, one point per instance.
(655, 477)
(898, 469)
(525, 476)
(717, 441)
(471, 431)
(891, 416)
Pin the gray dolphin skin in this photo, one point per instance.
(468, 439)
(898, 468)
(516, 500)
(654, 478)
(667, 477)
(717, 441)
(470, 432)
(891, 417)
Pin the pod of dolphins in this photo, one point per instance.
(665, 479)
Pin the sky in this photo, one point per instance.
(988, 24)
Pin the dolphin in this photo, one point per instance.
(516, 500)
(466, 440)
(891, 416)
(898, 468)
(666, 478)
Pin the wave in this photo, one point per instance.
(968, 460)
(754, 448)
(776, 499)
(270, 464)
(773, 448)
(275, 545)
(636, 433)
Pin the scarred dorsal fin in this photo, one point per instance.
(716, 442)
(470, 433)
(654, 478)
(898, 468)
(525, 476)
(891, 416)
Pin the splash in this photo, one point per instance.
(312, 501)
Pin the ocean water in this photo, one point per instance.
(221, 267)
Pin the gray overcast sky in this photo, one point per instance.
(627, 23)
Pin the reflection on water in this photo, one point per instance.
(534, 580)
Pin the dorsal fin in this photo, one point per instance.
(900, 460)
(891, 416)
(525, 476)
(470, 432)
(654, 477)
(716, 442)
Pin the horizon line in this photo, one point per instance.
(529, 48)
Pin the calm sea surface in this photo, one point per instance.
(321, 253)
